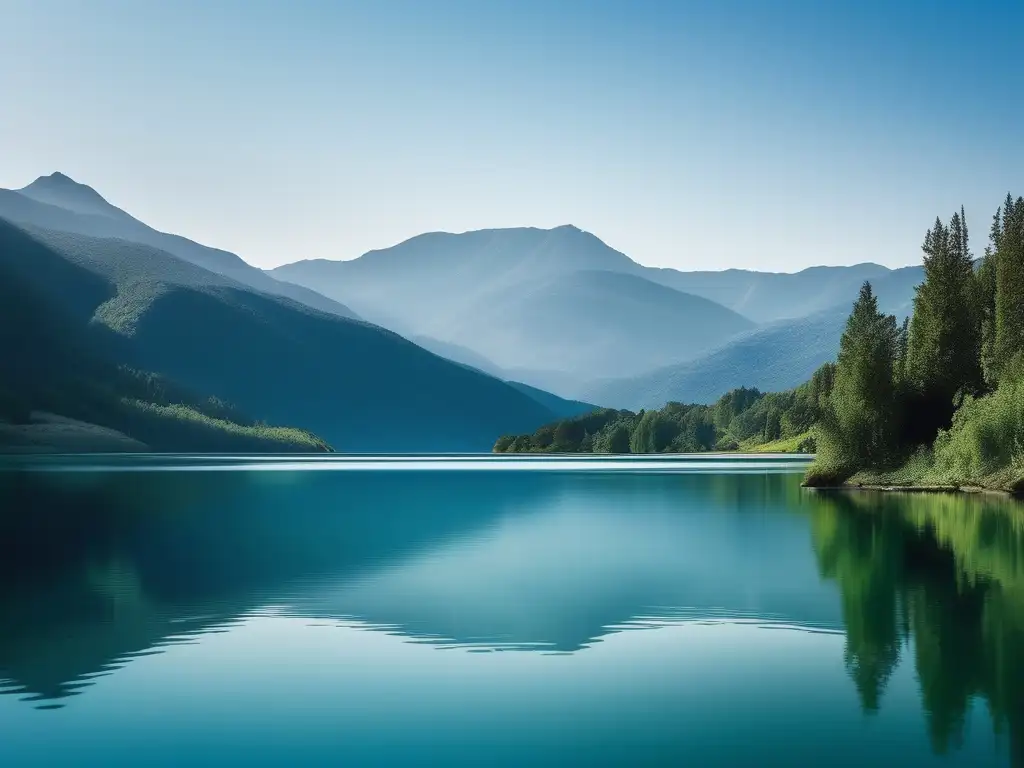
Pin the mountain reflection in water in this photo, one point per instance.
(99, 568)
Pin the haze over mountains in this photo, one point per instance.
(776, 357)
(562, 310)
(504, 329)
(558, 300)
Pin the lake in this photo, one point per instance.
(178, 610)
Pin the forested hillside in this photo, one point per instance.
(55, 361)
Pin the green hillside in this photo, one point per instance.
(55, 361)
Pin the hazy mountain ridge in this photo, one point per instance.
(564, 311)
(777, 357)
(769, 296)
(59, 203)
(534, 292)
(558, 299)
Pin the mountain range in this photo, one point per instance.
(527, 299)
(563, 311)
(775, 357)
(442, 342)
(57, 202)
(277, 358)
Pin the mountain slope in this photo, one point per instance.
(597, 322)
(362, 388)
(56, 202)
(457, 354)
(775, 358)
(558, 300)
(467, 357)
(554, 402)
(53, 359)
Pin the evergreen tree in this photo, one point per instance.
(1009, 299)
(859, 426)
(618, 440)
(944, 344)
(985, 299)
(902, 343)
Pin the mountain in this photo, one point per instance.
(777, 357)
(457, 354)
(360, 387)
(554, 402)
(61, 390)
(769, 296)
(558, 300)
(469, 358)
(56, 202)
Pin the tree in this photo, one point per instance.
(1009, 297)
(943, 348)
(985, 300)
(653, 434)
(617, 440)
(902, 348)
(859, 427)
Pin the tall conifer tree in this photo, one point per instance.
(944, 345)
(860, 425)
(1009, 302)
(986, 299)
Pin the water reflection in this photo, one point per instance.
(541, 562)
(97, 569)
(941, 577)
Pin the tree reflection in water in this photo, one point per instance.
(938, 576)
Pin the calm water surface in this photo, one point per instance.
(173, 611)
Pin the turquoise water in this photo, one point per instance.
(482, 610)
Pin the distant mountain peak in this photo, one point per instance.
(61, 190)
(58, 179)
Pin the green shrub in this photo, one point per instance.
(987, 435)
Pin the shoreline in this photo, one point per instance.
(949, 489)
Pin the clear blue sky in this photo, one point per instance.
(699, 135)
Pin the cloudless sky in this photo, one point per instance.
(699, 135)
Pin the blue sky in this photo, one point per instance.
(699, 135)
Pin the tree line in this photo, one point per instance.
(743, 418)
(939, 398)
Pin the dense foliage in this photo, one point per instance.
(940, 401)
(743, 418)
